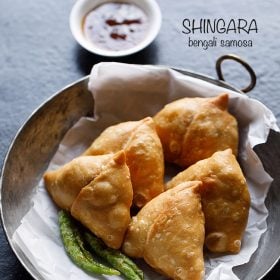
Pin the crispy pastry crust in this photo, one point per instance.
(103, 206)
(65, 183)
(192, 129)
(144, 155)
(169, 233)
(225, 199)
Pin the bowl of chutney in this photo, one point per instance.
(115, 28)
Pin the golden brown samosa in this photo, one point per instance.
(168, 233)
(225, 199)
(103, 206)
(192, 129)
(144, 155)
(65, 183)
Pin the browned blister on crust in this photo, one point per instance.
(225, 199)
(192, 129)
(144, 155)
(169, 233)
(103, 206)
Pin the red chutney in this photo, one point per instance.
(115, 26)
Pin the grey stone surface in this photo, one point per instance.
(38, 56)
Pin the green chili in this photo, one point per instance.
(75, 248)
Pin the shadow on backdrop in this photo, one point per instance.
(85, 60)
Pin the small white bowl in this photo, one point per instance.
(82, 7)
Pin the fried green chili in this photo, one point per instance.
(114, 257)
(74, 247)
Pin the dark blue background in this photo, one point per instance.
(38, 56)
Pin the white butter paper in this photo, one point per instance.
(125, 92)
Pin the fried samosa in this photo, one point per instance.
(168, 232)
(144, 155)
(225, 199)
(192, 129)
(65, 183)
(103, 206)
